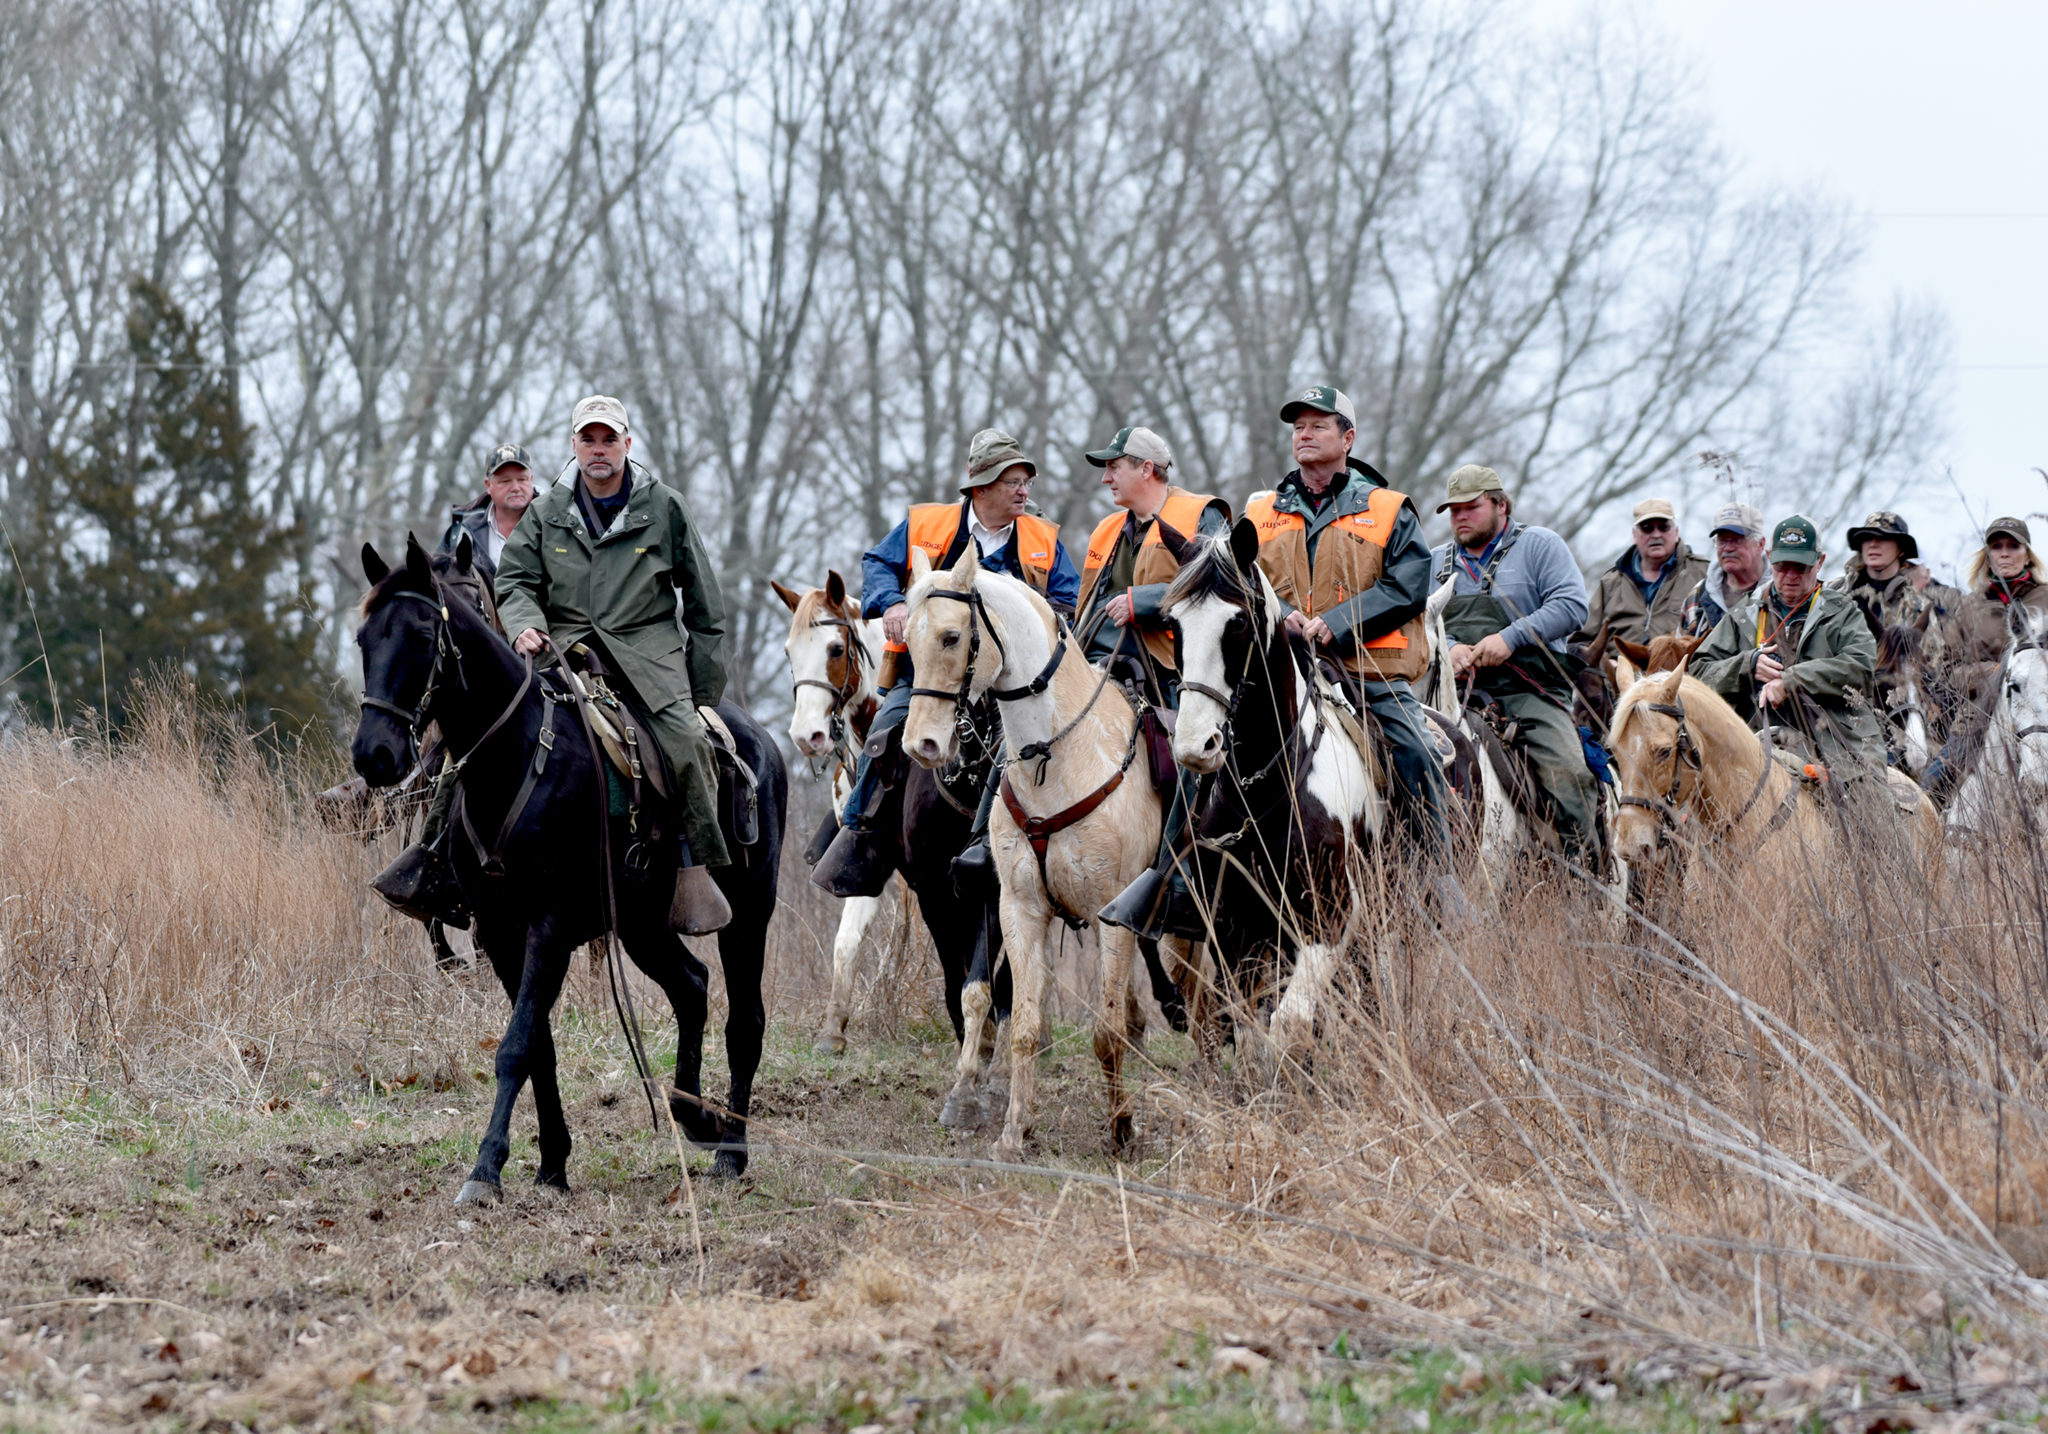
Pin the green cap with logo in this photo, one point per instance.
(1471, 483)
(1321, 399)
(990, 454)
(1795, 540)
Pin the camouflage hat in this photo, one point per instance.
(990, 454)
(507, 455)
(1320, 399)
(1469, 483)
(1739, 519)
(598, 408)
(1886, 525)
(1139, 443)
(1795, 540)
(2009, 527)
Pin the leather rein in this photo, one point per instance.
(1686, 754)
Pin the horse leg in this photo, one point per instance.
(1114, 1027)
(547, 1105)
(1293, 1028)
(1197, 994)
(968, 957)
(686, 982)
(1024, 938)
(856, 914)
(539, 983)
(742, 952)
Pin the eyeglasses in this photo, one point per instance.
(1015, 485)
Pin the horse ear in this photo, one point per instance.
(785, 594)
(1244, 544)
(1636, 652)
(417, 563)
(1175, 542)
(920, 565)
(1624, 671)
(465, 553)
(374, 566)
(835, 588)
(965, 567)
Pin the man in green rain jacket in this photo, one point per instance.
(612, 558)
(1794, 639)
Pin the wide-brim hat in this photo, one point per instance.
(1471, 482)
(1886, 525)
(990, 454)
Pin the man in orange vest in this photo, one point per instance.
(1346, 555)
(1123, 584)
(995, 514)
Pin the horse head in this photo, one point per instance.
(1223, 611)
(2024, 699)
(398, 639)
(829, 663)
(1657, 762)
(947, 634)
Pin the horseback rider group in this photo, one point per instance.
(610, 562)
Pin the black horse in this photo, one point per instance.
(536, 894)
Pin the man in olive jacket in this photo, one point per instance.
(1643, 594)
(612, 558)
(1795, 639)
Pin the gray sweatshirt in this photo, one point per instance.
(1539, 581)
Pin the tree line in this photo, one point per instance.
(274, 275)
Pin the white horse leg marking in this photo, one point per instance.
(1294, 1021)
(976, 1002)
(855, 916)
(1030, 976)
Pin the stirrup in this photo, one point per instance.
(698, 907)
(854, 865)
(421, 883)
(974, 870)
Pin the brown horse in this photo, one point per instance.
(1691, 773)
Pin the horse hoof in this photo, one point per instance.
(1122, 1132)
(832, 1039)
(1010, 1149)
(953, 1114)
(729, 1164)
(551, 1182)
(480, 1192)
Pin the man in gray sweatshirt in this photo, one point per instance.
(1519, 595)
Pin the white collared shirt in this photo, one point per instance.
(495, 540)
(990, 540)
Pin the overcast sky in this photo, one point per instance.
(1930, 120)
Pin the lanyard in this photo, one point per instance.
(1763, 612)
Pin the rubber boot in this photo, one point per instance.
(821, 840)
(974, 871)
(1156, 905)
(421, 883)
(856, 864)
(698, 907)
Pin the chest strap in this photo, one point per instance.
(1041, 830)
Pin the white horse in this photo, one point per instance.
(1504, 832)
(2011, 773)
(1078, 820)
(833, 657)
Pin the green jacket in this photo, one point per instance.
(646, 590)
(1835, 665)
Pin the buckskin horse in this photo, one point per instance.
(1075, 825)
(1297, 796)
(833, 660)
(532, 777)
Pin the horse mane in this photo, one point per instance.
(1898, 648)
(1211, 572)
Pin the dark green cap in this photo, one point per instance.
(1795, 540)
(1321, 399)
(1134, 442)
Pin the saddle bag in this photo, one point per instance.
(1158, 742)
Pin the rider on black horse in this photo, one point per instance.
(995, 515)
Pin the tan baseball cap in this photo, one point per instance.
(1469, 483)
(1139, 443)
(1655, 508)
(598, 408)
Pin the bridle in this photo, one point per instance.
(843, 693)
(445, 652)
(2023, 644)
(1686, 754)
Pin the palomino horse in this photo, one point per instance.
(834, 658)
(1690, 770)
(2011, 771)
(1297, 799)
(560, 870)
(1076, 824)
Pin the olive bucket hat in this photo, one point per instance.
(990, 454)
(1795, 540)
(1886, 525)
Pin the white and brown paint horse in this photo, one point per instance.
(2010, 775)
(1078, 821)
(834, 656)
(1294, 801)
(1692, 773)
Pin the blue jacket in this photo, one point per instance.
(885, 569)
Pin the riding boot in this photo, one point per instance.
(421, 883)
(698, 907)
(821, 840)
(1157, 904)
(857, 863)
(974, 870)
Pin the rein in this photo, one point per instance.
(1686, 753)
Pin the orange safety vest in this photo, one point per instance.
(935, 526)
(1182, 511)
(1350, 556)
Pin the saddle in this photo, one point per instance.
(1499, 738)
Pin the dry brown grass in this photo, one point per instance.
(1734, 1152)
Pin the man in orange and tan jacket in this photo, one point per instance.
(1346, 555)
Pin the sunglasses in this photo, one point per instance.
(1654, 525)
